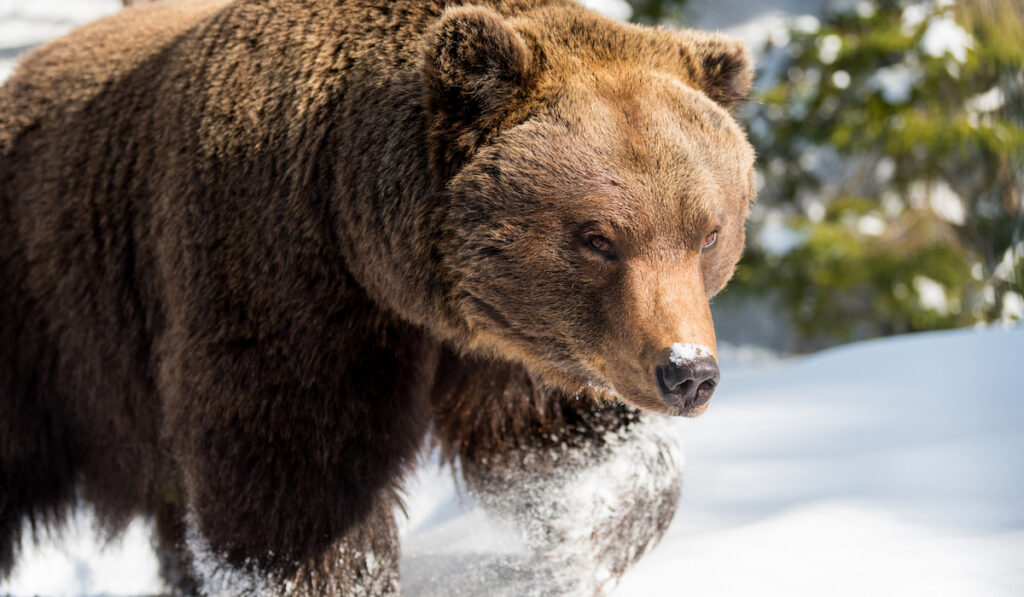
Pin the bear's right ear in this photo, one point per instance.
(718, 65)
(477, 70)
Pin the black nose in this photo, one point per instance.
(687, 385)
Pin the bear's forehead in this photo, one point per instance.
(650, 141)
(570, 36)
(596, 173)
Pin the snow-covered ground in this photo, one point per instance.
(891, 467)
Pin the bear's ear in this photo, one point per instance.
(477, 70)
(719, 66)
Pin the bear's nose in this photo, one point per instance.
(687, 385)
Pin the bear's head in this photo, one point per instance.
(597, 187)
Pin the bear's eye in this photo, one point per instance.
(710, 239)
(601, 246)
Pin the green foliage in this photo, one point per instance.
(840, 284)
(653, 12)
(876, 114)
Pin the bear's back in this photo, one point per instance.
(65, 75)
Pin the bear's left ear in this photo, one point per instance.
(477, 70)
(719, 66)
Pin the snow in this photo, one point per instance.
(912, 17)
(947, 204)
(78, 561)
(776, 238)
(990, 101)
(616, 9)
(1013, 308)
(871, 225)
(218, 577)
(865, 9)
(687, 352)
(841, 79)
(806, 24)
(1011, 260)
(895, 82)
(944, 36)
(66, 13)
(885, 169)
(931, 294)
(756, 22)
(560, 513)
(829, 47)
(941, 198)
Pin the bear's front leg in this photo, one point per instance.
(591, 486)
(291, 450)
(362, 562)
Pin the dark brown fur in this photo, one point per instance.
(249, 250)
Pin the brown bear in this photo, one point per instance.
(252, 251)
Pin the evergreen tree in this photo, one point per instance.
(891, 148)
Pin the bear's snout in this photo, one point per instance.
(687, 381)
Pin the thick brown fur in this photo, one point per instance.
(250, 250)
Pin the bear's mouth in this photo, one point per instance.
(689, 411)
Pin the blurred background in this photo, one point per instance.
(890, 136)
